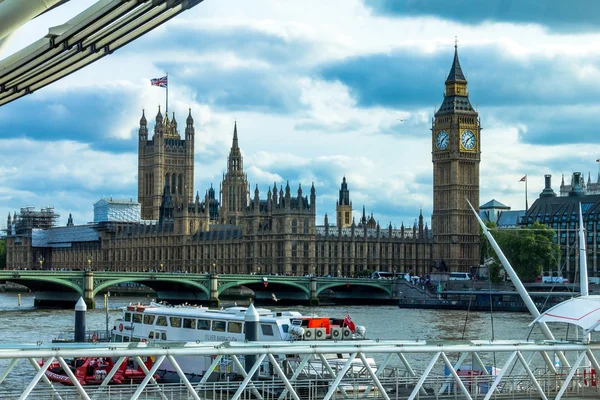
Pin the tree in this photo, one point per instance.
(2, 254)
(529, 249)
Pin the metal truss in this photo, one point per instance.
(103, 28)
(320, 370)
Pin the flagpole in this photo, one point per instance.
(526, 205)
(167, 105)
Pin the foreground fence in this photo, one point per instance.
(313, 370)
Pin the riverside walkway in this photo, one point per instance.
(404, 370)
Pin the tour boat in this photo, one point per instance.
(93, 371)
(157, 322)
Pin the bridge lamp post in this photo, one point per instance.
(161, 267)
(41, 262)
(259, 270)
(214, 268)
(89, 264)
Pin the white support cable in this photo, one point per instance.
(305, 359)
(109, 377)
(149, 377)
(143, 367)
(459, 381)
(332, 373)
(9, 368)
(40, 373)
(380, 369)
(569, 377)
(373, 376)
(248, 377)
(423, 377)
(243, 372)
(531, 376)
(281, 374)
(208, 373)
(500, 375)
(73, 379)
(184, 378)
(336, 383)
(45, 378)
(449, 378)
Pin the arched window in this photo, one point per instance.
(173, 183)
(306, 226)
(167, 180)
(180, 184)
(294, 226)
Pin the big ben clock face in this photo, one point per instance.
(441, 140)
(468, 140)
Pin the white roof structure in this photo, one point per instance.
(96, 32)
(116, 210)
(582, 311)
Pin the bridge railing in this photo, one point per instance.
(358, 369)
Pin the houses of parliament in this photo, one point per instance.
(240, 230)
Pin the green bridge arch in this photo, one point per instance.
(241, 282)
(154, 278)
(23, 279)
(330, 285)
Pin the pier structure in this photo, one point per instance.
(369, 369)
(63, 288)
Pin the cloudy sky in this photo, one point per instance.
(318, 90)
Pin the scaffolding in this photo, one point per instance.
(29, 218)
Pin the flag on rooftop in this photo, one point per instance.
(523, 179)
(161, 82)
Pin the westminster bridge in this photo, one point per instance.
(63, 288)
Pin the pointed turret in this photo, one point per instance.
(363, 219)
(313, 199)
(159, 117)
(456, 73)
(8, 224)
(143, 131)
(70, 220)
(234, 145)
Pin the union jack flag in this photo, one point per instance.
(161, 82)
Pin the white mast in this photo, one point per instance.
(583, 274)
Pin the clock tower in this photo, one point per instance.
(456, 154)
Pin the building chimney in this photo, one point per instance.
(548, 192)
(576, 189)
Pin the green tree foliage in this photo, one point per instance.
(365, 273)
(2, 254)
(529, 249)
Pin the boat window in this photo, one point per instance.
(267, 330)
(189, 323)
(137, 318)
(151, 335)
(135, 339)
(149, 319)
(126, 338)
(118, 338)
(284, 328)
(234, 327)
(128, 317)
(161, 321)
(164, 336)
(175, 322)
(219, 326)
(204, 324)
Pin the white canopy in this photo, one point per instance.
(583, 311)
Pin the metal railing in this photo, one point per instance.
(316, 370)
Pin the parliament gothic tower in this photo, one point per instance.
(166, 162)
(456, 154)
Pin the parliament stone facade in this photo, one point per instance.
(240, 230)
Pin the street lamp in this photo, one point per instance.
(161, 267)
(214, 268)
(41, 262)
(89, 264)
(259, 270)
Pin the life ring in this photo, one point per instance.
(319, 333)
(335, 333)
(592, 377)
(120, 327)
(347, 333)
(94, 338)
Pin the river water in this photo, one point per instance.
(26, 324)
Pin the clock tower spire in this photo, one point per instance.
(456, 154)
